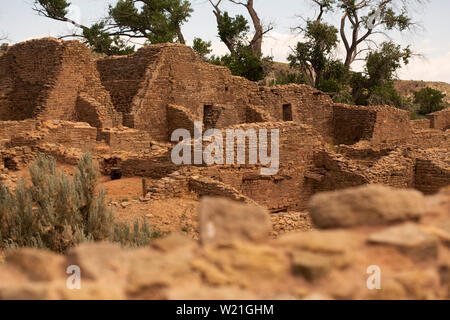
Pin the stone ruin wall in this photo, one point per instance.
(377, 124)
(53, 79)
(432, 170)
(440, 120)
(305, 105)
(165, 87)
(288, 189)
(176, 76)
(421, 124)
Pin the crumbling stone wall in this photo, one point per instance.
(45, 78)
(421, 124)
(393, 168)
(142, 86)
(431, 138)
(179, 117)
(307, 105)
(440, 120)
(126, 140)
(287, 189)
(381, 125)
(145, 83)
(432, 170)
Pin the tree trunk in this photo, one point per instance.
(180, 35)
(256, 43)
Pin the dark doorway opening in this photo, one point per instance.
(209, 117)
(287, 112)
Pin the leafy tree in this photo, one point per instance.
(155, 21)
(361, 20)
(245, 58)
(382, 64)
(375, 86)
(313, 55)
(234, 31)
(202, 48)
(429, 100)
(244, 63)
(288, 77)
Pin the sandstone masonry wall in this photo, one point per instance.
(380, 125)
(440, 120)
(43, 79)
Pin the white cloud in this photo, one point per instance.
(279, 45)
(428, 69)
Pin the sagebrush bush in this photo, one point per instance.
(57, 211)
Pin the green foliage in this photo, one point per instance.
(288, 77)
(386, 95)
(57, 212)
(158, 21)
(335, 81)
(244, 63)
(429, 100)
(382, 64)
(155, 21)
(54, 8)
(375, 85)
(101, 41)
(233, 30)
(313, 55)
(338, 91)
(202, 48)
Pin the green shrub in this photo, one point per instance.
(57, 211)
(429, 100)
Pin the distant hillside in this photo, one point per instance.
(407, 87)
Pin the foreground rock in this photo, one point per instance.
(222, 220)
(240, 262)
(409, 239)
(365, 206)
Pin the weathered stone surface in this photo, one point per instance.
(222, 220)
(420, 284)
(315, 253)
(442, 231)
(99, 260)
(151, 273)
(322, 241)
(366, 205)
(241, 264)
(310, 265)
(37, 265)
(409, 239)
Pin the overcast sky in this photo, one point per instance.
(19, 23)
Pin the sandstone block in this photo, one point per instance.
(223, 220)
(409, 239)
(98, 261)
(37, 265)
(365, 205)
